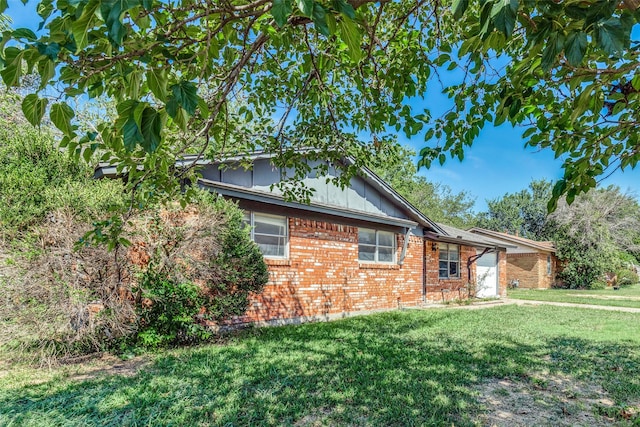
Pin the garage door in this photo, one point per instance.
(487, 276)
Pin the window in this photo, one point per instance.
(269, 232)
(449, 261)
(376, 246)
(548, 265)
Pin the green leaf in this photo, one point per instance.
(86, 154)
(61, 115)
(552, 50)
(112, 12)
(281, 10)
(504, 13)
(157, 82)
(332, 23)
(320, 20)
(24, 33)
(49, 50)
(80, 28)
(345, 8)
(3, 5)
(459, 8)
(185, 95)
(131, 134)
(575, 47)
(12, 70)
(350, 34)
(582, 102)
(34, 108)
(46, 70)
(151, 129)
(610, 36)
(306, 7)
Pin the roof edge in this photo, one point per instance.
(513, 239)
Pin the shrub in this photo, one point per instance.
(37, 178)
(597, 284)
(57, 301)
(626, 277)
(204, 257)
(168, 312)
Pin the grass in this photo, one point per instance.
(401, 368)
(628, 296)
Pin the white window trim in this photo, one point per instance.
(394, 248)
(449, 276)
(286, 232)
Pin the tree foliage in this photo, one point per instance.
(599, 233)
(225, 77)
(523, 213)
(566, 70)
(435, 200)
(36, 178)
(215, 78)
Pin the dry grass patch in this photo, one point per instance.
(546, 399)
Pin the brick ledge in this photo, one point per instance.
(277, 262)
(378, 266)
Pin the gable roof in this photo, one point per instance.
(462, 237)
(415, 217)
(545, 246)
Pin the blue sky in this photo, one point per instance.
(496, 164)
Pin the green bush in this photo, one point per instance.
(584, 265)
(207, 243)
(626, 277)
(168, 312)
(597, 284)
(37, 178)
(241, 267)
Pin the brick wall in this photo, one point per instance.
(322, 277)
(441, 290)
(531, 270)
(502, 273)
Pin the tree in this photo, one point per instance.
(523, 213)
(595, 235)
(322, 74)
(436, 200)
(231, 76)
(566, 70)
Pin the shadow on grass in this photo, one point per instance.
(390, 369)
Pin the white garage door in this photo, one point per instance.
(487, 276)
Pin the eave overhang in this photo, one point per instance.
(238, 192)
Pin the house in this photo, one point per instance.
(358, 249)
(530, 264)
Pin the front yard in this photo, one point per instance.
(628, 296)
(504, 365)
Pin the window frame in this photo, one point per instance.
(377, 246)
(549, 265)
(448, 260)
(251, 216)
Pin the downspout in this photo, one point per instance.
(424, 268)
(404, 248)
(473, 259)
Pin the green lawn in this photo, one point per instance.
(628, 296)
(404, 368)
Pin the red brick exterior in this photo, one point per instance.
(530, 269)
(322, 277)
(502, 273)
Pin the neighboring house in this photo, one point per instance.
(360, 249)
(532, 264)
